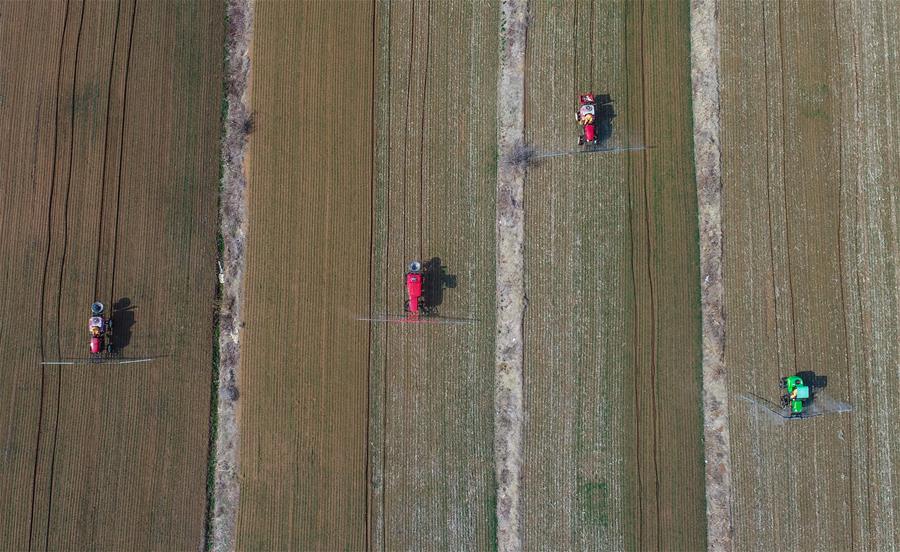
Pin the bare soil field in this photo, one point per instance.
(810, 172)
(613, 435)
(303, 380)
(431, 407)
(110, 123)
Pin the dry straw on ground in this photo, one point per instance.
(705, 79)
(233, 220)
(508, 393)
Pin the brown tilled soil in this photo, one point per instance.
(110, 169)
(613, 439)
(303, 378)
(809, 95)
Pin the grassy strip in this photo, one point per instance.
(707, 163)
(216, 356)
(510, 227)
(213, 434)
(237, 124)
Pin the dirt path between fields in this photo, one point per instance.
(705, 77)
(508, 402)
(233, 228)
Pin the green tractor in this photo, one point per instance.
(800, 391)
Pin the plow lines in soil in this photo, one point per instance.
(110, 165)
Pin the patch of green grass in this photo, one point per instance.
(213, 434)
(593, 502)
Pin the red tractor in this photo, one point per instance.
(593, 110)
(425, 283)
(100, 328)
(415, 277)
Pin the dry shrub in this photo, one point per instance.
(239, 123)
(705, 82)
(518, 157)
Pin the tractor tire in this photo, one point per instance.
(580, 140)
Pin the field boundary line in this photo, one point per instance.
(511, 301)
(238, 123)
(707, 158)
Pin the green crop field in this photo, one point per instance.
(613, 443)
(810, 175)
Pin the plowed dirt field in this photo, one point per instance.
(110, 124)
(810, 169)
(613, 438)
(304, 358)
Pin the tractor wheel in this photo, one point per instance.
(109, 348)
(581, 140)
(406, 306)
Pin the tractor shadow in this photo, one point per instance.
(436, 280)
(123, 320)
(811, 379)
(605, 117)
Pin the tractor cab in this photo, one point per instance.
(594, 115)
(797, 396)
(100, 329)
(96, 325)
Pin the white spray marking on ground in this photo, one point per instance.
(233, 221)
(616, 149)
(705, 80)
(508, 382)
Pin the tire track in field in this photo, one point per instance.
(122, 151)
(63, 258)
(37, 450)
(371, 267)
(634, 331)
(379, 537)
(412, 37)
(62, 266)
(653, 422)
(768, 196)
(645, 159)
(787, 225)
(112, 64)
(422, 131)
(843, 278)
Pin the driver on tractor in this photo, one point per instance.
(585, 115)
(96, 326)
